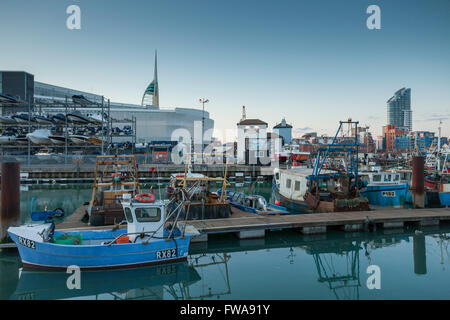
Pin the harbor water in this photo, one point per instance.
(412, 264)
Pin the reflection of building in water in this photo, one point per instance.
(338, 266)
(210, 265)
(376, 243)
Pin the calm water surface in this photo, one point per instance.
(284, 265)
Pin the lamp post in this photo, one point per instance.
(203, 101)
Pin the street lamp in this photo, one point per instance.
(203, 101)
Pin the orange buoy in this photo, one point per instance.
(123, 239)
(145, 197)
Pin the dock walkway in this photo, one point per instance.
(248, 225)
(254, 226)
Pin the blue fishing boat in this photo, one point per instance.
(252, 203)
(384, 189)
(151, 237)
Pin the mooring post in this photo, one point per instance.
(418, 180)
(10, 211)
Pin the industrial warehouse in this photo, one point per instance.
(48, 120)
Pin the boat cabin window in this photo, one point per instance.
(387, 178)
(297, 186)
(128, 215)
(288, 183)
(150, 214)
(397, 177)
(376, 177)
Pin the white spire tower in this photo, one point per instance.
(152, 89)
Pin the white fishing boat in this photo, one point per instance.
(39, 136)
(291, 185)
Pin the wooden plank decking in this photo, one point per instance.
(255, 222)
(243, 221)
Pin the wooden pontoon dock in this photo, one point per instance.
(248, 225)
(254, 226)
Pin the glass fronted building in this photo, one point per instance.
(399, 112)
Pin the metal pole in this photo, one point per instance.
(103, 133)
(67, 134)
(29, 131)
(203, 124)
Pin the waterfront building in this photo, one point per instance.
(153, 123)
(402, 143)
(399, 112)
(422, 140)
(392, 133)
(253, 142)
(18, 85)
(284, 130)
(444, 140)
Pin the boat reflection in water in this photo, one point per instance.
(169, 281)
(338, 263)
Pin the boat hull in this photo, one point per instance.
(59, 140)
(39, 140)
(46, 255)
(7, 139)
(387, 195)
(77, 119)
(444, 198)
(293, 206)
(79, 139)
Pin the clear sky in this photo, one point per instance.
(312, 62)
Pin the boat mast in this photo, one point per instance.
(439, 148)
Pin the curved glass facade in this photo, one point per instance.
(399, 111)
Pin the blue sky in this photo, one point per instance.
(312, 62)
